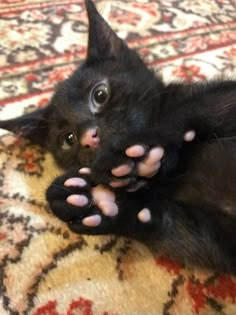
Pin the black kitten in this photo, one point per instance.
(112, 102)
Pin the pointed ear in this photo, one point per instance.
(33, 126)
(102, 40)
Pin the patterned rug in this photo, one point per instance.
(44, 268)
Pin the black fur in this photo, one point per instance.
(193, 198)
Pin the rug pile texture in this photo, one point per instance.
(44, 268)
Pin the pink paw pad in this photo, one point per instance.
(121, 170)
(144, 215)
(77, 200)
(110, 209)
(155, 155)
(135, 151)
(189, 136)
(75, 182)
(85, 170)
(92, 221)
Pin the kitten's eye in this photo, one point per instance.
(99, 97)
(67, 140)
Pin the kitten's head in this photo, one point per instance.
(104, 98)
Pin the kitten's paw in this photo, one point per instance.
(69, 196)
(92, 209)
(104, 224)
(104, 201)
(148, 167)
(73, 199)
(106, 162)
(102, 221)
(151, 163)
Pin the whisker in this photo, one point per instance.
(144, 94)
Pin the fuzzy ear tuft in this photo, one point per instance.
(102, 41)
(33, 126)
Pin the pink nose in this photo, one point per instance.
(90, 138)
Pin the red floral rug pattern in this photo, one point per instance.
(44, 268)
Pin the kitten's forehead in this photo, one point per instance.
(127, 84)
(70, 104)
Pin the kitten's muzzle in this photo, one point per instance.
(90, 138)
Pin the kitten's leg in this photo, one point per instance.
(198, 236)
(194, 235)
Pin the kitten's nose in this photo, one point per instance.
(90, 138)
